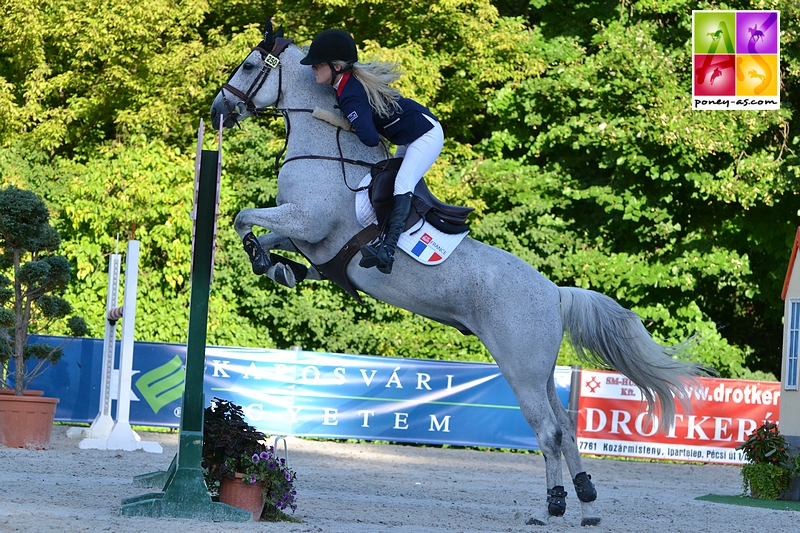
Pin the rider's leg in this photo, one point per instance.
(401, 206)
(419, 156)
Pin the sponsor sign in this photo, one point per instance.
(613, 419)
(366, 397)
(301, 393)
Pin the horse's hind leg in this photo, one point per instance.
(548, 434)
(584, 488)
(524, 363)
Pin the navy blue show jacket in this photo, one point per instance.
(402, 127)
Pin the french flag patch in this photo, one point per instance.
(425, 249)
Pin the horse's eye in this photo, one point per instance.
(247, 66)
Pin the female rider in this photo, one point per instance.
(374, 109)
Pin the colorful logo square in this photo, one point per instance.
(715, 75)
(757, 75)
(714, 32)
(757, 32)
(735, 60)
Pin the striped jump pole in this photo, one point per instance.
(103, 422)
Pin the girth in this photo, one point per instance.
(336, 269)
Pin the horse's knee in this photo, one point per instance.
(240, 225)
(551, 443)
(557, 501)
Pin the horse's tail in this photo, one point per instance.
(602, 331)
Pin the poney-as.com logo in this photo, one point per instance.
(736, 55)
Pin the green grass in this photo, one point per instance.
(781, 505)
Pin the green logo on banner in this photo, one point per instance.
(162, 385)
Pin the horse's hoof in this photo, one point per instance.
(284, 276)
(556, 501)
(591, 521)
(535, 522)
(258, 259)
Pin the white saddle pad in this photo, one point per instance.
(422, 241)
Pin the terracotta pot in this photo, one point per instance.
(27, 392)
(243, 495)
(26, 421)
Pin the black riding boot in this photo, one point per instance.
(382, 255)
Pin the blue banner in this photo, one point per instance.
(287, 392)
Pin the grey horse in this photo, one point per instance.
(518, 314)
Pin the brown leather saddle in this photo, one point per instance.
(445, 217)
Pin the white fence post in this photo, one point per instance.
(121, 436)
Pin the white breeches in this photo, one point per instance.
(418, 157)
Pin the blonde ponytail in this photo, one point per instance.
(376, 78)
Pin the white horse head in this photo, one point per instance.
(258, 85)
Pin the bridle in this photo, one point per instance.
(271, 61)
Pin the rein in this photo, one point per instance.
(343, 160)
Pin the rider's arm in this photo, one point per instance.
(355, 107)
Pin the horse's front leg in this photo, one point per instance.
(289, 221)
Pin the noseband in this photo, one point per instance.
(270, 62)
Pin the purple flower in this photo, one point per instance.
(252, 480)
(264, 455)
(255, 458)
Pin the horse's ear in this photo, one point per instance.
(279, 33)
(268, 30)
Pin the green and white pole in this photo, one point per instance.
(185, 493)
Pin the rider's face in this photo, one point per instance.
(322, 73)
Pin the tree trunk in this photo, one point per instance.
(20, 330)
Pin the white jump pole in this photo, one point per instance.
(102, 424)
(122, 436)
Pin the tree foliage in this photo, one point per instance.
(32, 280)
(568, 125)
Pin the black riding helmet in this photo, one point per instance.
(329, 46)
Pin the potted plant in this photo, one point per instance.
(241, 469)
(32, 277)
(767, 473)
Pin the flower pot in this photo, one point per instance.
(765, 481)
(243, 495)
(793, 492)
(26, 421)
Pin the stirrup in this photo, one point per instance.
(385, 264)
(369, 255)
(258, 259)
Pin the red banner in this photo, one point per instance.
(613, 419)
